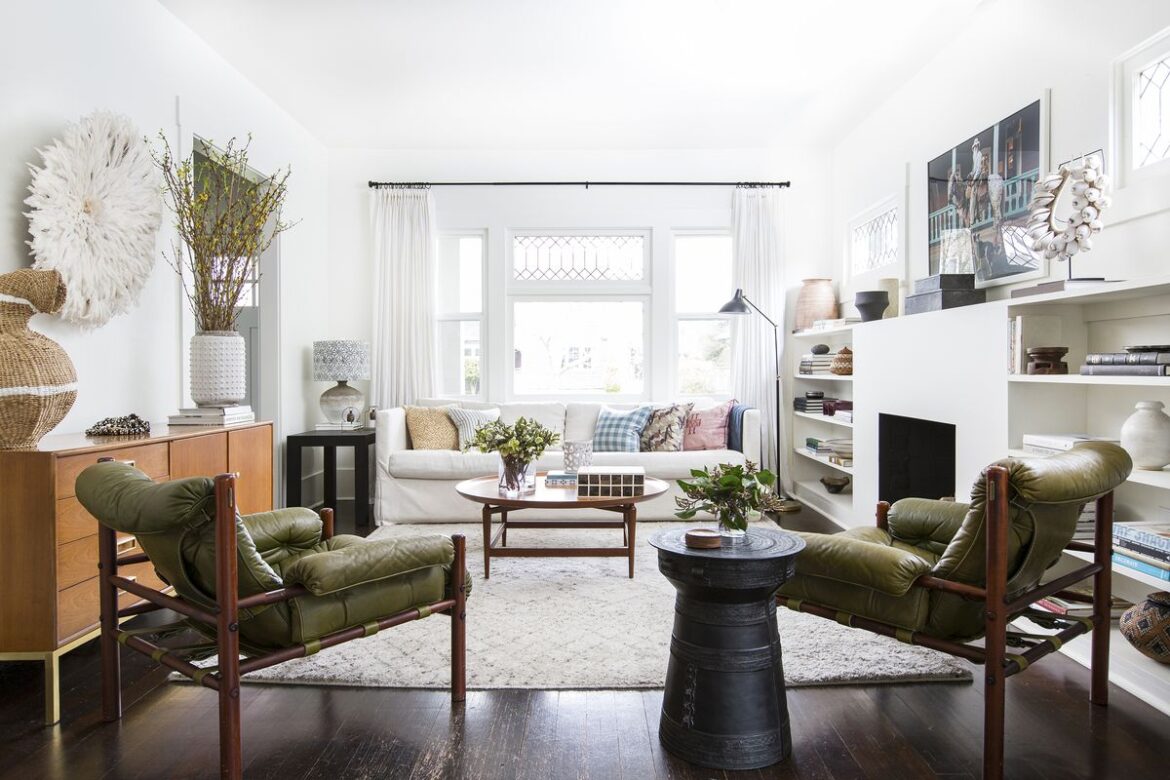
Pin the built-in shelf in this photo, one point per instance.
(809, 334)
(836, 507)
(822, 460)
(825, 377)
(825, 418)
(1079, 379)
(1125, 571)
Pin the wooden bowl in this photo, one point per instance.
(703, 538)
(834, 484)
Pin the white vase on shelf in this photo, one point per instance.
(1145, 435)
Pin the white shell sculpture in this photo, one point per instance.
(96, 208)
(1061, 238)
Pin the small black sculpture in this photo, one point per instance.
(130, 425)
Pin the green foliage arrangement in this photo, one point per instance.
(225, 219)
(730, 492)
(519, 444)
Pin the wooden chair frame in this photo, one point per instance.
(998, 663)
(226, 680)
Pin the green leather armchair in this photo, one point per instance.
(272, 586)
(940, 573)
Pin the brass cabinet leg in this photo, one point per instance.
(52, 689)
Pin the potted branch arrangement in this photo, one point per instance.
(518, 445)
(226, 218)
(733, 493)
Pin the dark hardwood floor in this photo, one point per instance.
(896, 731)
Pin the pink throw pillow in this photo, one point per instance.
(707, 429)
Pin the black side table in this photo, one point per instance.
(725, 704)
(361, 440)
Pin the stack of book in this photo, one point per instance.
(840, 322)
(341, 426)
(1135, 361)
(1143, 545)
(1086, 530)
(213, 415)
(818, 447)
(812, 403)
(560, 479)
(1080, 603)
(811, 364)
(1053, 443)
(841, 409)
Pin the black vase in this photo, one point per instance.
(871, 303)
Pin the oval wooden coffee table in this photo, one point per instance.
(485, 490)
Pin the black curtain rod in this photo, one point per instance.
(585, 184)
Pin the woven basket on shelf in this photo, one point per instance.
(37, 381)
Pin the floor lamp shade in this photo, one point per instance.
(341, 361)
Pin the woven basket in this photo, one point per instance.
(38, 384)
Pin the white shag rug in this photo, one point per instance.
(581, 623)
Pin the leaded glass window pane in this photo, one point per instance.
(544, 258)
(874, 243)
(1151, 114)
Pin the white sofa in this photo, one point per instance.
(418, 486)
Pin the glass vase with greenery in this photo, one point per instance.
(518, 445)
(226, 217)
(733, 493)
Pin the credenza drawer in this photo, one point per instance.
(79, 606)
(73, 522)
(151, 459)
(78, 560)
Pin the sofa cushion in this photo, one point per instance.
(550, 414)
(707, 429)
(468, 421)
(664, 430)
(581, 419)
(430, 428)
(620, 431)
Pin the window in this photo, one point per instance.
(459, 313)
(579, 304)
(1141, 112)
(874, 244)
(702, 283)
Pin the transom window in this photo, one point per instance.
(874, 242)
(578, 258)
(1151, 114)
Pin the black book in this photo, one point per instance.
(1089, 370)
(1122, 544)
(1127, 358)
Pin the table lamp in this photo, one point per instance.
(341, 361)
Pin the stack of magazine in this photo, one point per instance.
(1143, 545)
(213, 415)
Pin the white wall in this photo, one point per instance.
(1002, 58)
(63, 60)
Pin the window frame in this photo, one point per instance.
(677, 316)
(1121, 126)
(479, 317)
(895, 202)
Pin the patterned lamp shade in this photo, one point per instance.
(341, 360)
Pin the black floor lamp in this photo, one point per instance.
(739, 305)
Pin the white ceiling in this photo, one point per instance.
(575, 74)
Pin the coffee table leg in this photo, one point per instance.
(632, 525)
(487, 541)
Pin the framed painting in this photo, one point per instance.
(978, 193)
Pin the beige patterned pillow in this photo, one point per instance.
(430, 428)
(664, 432)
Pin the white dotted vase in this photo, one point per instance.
(1145, 435)
(578, 455)
(218, 368)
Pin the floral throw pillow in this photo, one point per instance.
(664, 432)
(707, 429)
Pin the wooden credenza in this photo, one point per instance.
(49, 544)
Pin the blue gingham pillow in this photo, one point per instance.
(620, 431)
(467, 421)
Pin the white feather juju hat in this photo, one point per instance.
(96, 208)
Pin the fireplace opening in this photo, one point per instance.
(916, 458)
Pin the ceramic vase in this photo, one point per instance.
(816, 301)
(1145, 435)
(1146, 626)
(894, 288)
(38, 384)
(578, 455)
(218, 368)
(517, 477)
(871, 304)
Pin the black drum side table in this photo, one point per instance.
(361, 440)
(725, 704)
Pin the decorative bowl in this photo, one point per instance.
(835, 484)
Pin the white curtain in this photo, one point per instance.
(406, 245)
(756, 268)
